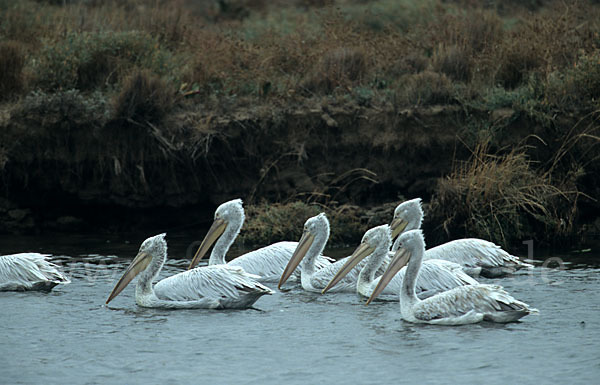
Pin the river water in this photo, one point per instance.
(69, 337)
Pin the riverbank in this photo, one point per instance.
(63, 176)
(488, 113)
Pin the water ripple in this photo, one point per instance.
(296, 337)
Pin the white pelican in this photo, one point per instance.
(210, 287)
(461, 305)
(267, 262)
(29, 271)
(476, 256)
(436, 275)
(313, 241)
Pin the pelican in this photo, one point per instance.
(476, 256)
(29, 271)
(458, 306)
(210, 287)
(267, 262)
(436, 275)
(312, 243)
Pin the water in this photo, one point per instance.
(68, 336)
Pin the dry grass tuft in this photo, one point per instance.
(500, 198)
(454, 61)
(12, 60)
(267, 223)
(411, 63)
(144, 98)
(339, 68)
(516, 61)
(425, 88)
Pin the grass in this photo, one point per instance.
(502, 197)
(425, 88)
(290, 50)
(267, 223)
(338, 69)
(144, 98)
(88, 61)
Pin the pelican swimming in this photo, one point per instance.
(29, 271)
(476, 256)
(312, 243)
(267, 262)
(458, 306)
(436, 275)
(210, 287)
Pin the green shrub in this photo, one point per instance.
(494, 98)
(577, 87)
(62, 110)
(88, 60)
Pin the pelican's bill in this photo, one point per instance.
(139, 264)
(399, 260)
(397, 226)
(363, 250)
(305, 242)
(215, 231)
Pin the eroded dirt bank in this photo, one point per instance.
(67, 165)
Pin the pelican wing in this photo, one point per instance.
(479, 301)
(219, 283)
(29, 271)
(435, 276)
(269, 262)
(472, 252)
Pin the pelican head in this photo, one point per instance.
(408, 215)
(375, 238)
(150, 249)
(227, 214)
(315, 229)
(410, 241)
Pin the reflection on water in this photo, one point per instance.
(69, 336)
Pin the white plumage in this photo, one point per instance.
(476, 256)
(210, 287)
(313, 277)
(469, 304)
(436, 275)
(458, 306)
(267, 262)
(29, 271)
